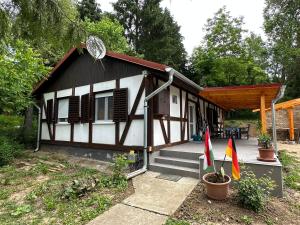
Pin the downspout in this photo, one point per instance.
(279, 96)
(39, 127)
(171, 72)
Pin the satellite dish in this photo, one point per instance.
(95, 47)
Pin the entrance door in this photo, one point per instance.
(192, 119)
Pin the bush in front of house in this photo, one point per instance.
(9, 149)
(10, 126)
(253, 192)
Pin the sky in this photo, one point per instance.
(192, 15)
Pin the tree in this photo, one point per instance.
(51, 26)
(225, 57)
(89, 9)
(283, 29)
(111, 32)
(152, 31)
(20, 68)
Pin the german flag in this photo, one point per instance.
(231, 152)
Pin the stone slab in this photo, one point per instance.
(121, 214)
(158, 195)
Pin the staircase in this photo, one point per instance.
(176, 162)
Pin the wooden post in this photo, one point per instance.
(263, 114)
(291, 123)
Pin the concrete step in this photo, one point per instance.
(189, 163)
(180, 154)
(174, 170)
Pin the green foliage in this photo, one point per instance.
(10, 126)
(247, 219)
(79, 188)
(265, 140)
(253, 192)
(20, 68)
(42, 23)
(111, 33)
(151, 31)
(4, 194)
(225, 57)
(176, 222)
(89, 9)
(20, 210)
(119, 166)
(9, 149)
(291, 170)
(49, 203)
(281, 23)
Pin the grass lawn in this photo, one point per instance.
(45, 189)
(198, 209)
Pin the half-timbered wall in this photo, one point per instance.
(102, 132)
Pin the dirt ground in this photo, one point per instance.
(198, 209)
(292, 148)
(33, 189)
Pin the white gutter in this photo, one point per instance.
(171, 73)
(279, 96)
(39, 127)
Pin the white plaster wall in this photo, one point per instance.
(104, 133)
(175, 131)
(44, 127)
(201, 107)
(47, 96)
(174, 108)
(45, 132)
(102, 86)
(133, 85)
(64, 93)
(183, 102)
(158, 138)
(81, 130)
(135, 134)
(192, 97)
(62, 132)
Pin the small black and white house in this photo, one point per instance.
(96, 108)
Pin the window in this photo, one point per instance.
(104, 107)
(63, 110)
(174, 99)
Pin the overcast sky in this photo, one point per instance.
(191, 15)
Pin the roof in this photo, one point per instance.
(284, 105)
(127, 58)
(241, 97)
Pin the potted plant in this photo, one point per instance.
(266, 151)
(217, 184)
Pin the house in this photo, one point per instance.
(96, 108)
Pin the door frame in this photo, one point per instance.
(192, 105)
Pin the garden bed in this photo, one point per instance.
(45, 189)
(198, 209)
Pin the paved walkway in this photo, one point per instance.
(152, 203)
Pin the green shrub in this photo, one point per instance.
(118, 178)
(253, 192)
(10, 126)
(9, 149)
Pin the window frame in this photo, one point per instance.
(65, 119)
(104, 95)
(174, 99)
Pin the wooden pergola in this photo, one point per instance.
(244, 97)
(289, 106)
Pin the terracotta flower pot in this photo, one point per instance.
(266, 154)
(217, 191)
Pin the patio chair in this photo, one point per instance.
(245, 131)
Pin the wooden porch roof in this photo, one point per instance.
(284, 105)
(241, 97)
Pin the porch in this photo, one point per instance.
(183, 160)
